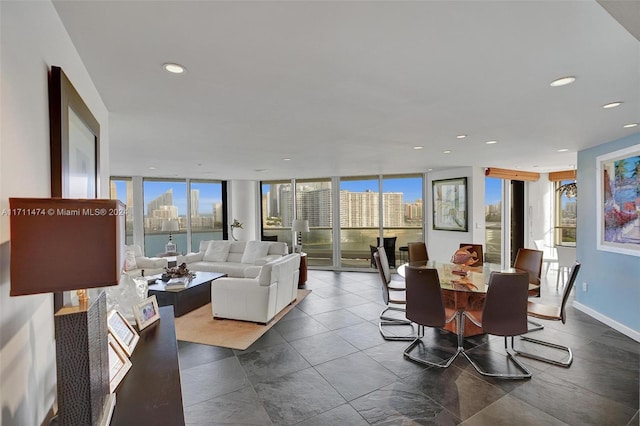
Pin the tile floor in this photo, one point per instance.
(325, 363)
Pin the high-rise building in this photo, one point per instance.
(195, 203)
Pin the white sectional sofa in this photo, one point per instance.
(136, 263)
(261, 298)
(238, 259)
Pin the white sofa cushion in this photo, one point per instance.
(254, 250)
(130, 261)
(218, 251)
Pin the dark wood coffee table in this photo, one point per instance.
(197, 293)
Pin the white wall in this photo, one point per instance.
(242, 199)
(539, 212)
(442, 244)
(32, 39)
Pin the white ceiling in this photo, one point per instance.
(348, 88)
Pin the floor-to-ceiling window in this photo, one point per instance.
(122, 189)
(277, 210)
(359, 219)
(565, 215)
(314, 203)
(165, 204)
(493, 219)
(402, 210)
(206, 212)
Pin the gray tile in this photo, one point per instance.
(297, 396)
(194, 354)
(458, 391)
(274, 361)
(268, 339)
(634, 421)
(326, 291)
(338, 319)
(322, 347)
(619, 383)
(355, 375)
(299, 328)
(363, 336)
(570, 403)
(368, 311)
(390, 355)
(242, 407)
(294, 313)
(508, 411)
(400, 404)
(208, 381)
(343, 415)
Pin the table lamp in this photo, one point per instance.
(59, 245)
(299, 226)
(171, 226)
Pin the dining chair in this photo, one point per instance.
(417, 252)
(548, 256)
(389, 244)
(552, 313)
(504, 314)
(566, 259)
(475, 248)
(531, 261)
(393, 296)
(425, 307)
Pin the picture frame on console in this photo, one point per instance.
(146, 312)
(122, 331)
(119, 363)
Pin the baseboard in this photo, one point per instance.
(627, 331)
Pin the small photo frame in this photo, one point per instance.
(122, 331)
(147, 312)
(119, 363)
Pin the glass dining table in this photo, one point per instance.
(463, 292)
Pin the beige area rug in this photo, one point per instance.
(200, 327)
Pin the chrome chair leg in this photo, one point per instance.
(442, 364)
(526, 373)
(385, 321)
(566, 349)
(536, 326)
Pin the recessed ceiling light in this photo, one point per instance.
(429, 170)
(612, 105)
(630, 125)
(447, 151)
(418, 147)
(563, 81)
(286, 159)
(563, 150)
(491, 142)
(173, 68)
(152, 168)
(260, 170)
(461, 136)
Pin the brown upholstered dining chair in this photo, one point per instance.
(417, 252)
(425, 307)
(531, 261)
(504, 314)
(393, 296)
(478, 249)
(552, 313)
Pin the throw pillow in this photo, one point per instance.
(254, 250)
(217, 251)
(130, 261)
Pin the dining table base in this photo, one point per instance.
(464, 301)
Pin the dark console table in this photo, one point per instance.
(150, 393)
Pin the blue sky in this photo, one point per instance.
(209, 193)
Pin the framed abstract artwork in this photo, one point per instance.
(618, 201)
(450, 204)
